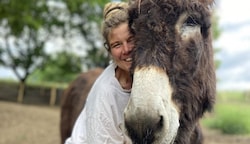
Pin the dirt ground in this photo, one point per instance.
(27, 124)
(215, 137)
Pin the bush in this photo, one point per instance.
(231, 119)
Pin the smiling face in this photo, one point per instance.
(121, 43)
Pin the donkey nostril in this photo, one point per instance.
(161, 122)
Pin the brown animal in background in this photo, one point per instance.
(173, 71)
(73, 100)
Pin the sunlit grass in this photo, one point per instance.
(233, 96)
(231, 114)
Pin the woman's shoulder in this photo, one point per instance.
(106, 80)
(107, 76)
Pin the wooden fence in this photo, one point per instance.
(37, 95)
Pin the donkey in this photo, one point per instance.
(174, 80)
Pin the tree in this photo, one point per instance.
(96, 58)
(23, 47)
(89, 16)
(63, 67)
(28, 25)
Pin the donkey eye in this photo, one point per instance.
(191, 22)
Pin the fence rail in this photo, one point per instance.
(39, 95)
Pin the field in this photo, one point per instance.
(26, 124)
(29, 124)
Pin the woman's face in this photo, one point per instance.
(121, 43)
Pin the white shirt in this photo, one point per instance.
(101, 119)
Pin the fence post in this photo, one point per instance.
(21, 92)
(53, 96)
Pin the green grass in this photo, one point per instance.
(230, 118)
(232, 96)
(231, 113)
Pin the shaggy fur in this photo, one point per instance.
(188, 63)
(73, 100)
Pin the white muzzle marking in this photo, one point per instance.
(151, 103)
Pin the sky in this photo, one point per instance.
(234, 45)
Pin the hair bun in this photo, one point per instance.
(112, 7)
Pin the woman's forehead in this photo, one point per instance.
(119, 33)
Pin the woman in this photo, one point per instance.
(101, 120)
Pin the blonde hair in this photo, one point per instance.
(114, 14)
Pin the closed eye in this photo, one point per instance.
(116, 45)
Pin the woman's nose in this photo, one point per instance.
(126, 48)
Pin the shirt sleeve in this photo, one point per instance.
(97, 123)
(101, 124)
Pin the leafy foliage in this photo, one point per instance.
(63, 67)
(96, 58)
(20, 15)
(26, 27)
(23, 46)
